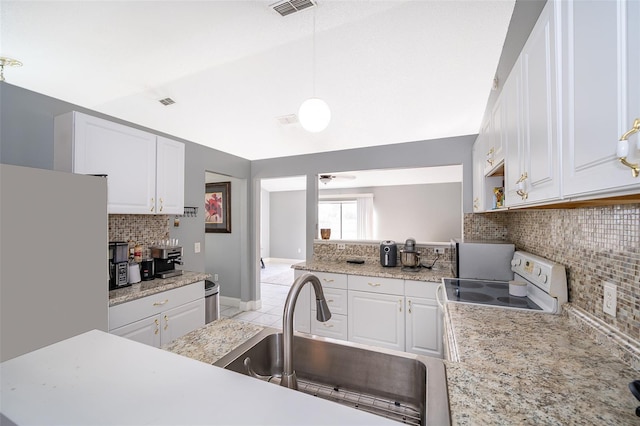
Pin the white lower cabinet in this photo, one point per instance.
(386, 312)
(376, 319)
(160, 319)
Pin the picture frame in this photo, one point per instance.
(217, 207)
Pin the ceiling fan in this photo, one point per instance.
(325, 178)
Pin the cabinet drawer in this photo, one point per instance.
(424, 289)
(135, 310)
(376, 285)
(330, 280)
(336, 300)
(336, 327)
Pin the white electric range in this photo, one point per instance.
(545, 280)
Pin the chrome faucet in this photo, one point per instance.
(323, 314)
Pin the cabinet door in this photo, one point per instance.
(336, 327)
(512, 135)
(478, 176)
(169, 176)
(423, 327)
(540, 110)
(376, 319)
(181, 320)
(601, 41)
(127, 156)
(145, 331)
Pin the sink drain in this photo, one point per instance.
(403, 413)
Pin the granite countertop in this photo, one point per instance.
(372, 268)
(148, 288)
(520, 367)
(214, 340)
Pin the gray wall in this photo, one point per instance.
(265, 240)
(287, 225)
(428, 213)
(220, 248)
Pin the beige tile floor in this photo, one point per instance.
(275, 280)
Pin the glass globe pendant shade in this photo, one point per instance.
(314, 115)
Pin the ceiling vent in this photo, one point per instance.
(285, 120)
(288, 7)
(167, 101)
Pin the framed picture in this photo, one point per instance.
(217, 207)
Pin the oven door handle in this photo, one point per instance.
(440, 287)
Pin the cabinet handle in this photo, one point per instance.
(152, 204)
(374, 284)
(521, 186)
(400, 305)
(440, 288)
(330, 301)
(623, 148)
(409, 306)
(166, 322)
(161, 206)
(327, 325)
(157, 326)
(164, 302)
(327, 280)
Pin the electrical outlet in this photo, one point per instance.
(439, 250)
(610, 298)
(215, 277)
(196, 247)
(341, 246)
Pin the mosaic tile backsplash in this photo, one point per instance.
(595, 244)
(138, 228)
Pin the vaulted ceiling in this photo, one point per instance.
(391, 71)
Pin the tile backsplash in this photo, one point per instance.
(138, 228)
(595, 244)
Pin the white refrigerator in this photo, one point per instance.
(53, 257)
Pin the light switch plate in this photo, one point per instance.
(610, 298)
(196, 247)
(341, 246)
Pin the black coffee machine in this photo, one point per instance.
(165, 259)
(118, 264)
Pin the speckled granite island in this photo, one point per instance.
(372, 268)
(520, 367)
(158, 285)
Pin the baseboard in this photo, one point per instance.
(251, 305)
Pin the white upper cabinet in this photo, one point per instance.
(601, 92)
(493, 144)
(478, 175)
(169, 176)
(145, 173)
(540, 173)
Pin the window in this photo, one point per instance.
(350, 217)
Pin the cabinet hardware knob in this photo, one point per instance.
(152, 205)
(521, 186)
(622, 150)
(161, 206)
(400, 305)
(374, 284)
(157, 326)
(164, 302)
(166, 322)
(409, 306)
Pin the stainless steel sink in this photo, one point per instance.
(408, 388)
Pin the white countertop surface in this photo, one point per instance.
(100, 379)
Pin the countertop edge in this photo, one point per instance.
(149, 288)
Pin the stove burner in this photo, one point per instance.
(514, 301)
(469, 284)
(498, 286)
(472, 296)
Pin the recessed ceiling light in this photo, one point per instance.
(167, 101)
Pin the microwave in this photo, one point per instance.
(482, 260)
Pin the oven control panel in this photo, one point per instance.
(546, 275)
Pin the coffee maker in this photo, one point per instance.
(118, 265)
(165, 259)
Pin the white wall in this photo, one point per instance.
(428, 213)
(287, 224)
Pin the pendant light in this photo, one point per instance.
(314, 113)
